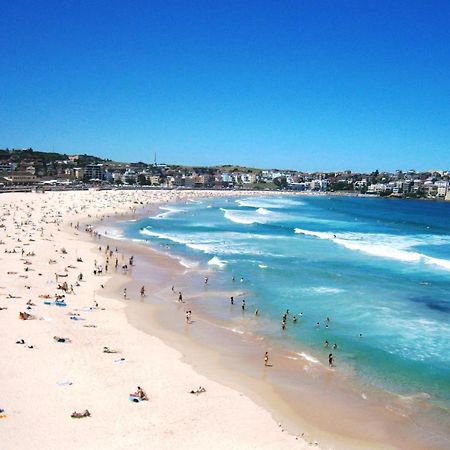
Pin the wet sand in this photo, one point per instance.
(307, 397)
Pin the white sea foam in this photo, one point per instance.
(147, 232)
(169, 210)
(242, 217)
(235, 330)
(272, 203)
(382, 245)
(308, 358)
(248, 217)
(262, 266)
(113, 233)
(188, 264)
(324, 290)
(215, 261)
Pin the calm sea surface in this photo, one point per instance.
(375, 267)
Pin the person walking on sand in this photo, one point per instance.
(142, 291)
(180, 296)
(266, 359)
(124, 293)
(232, 300)
(243, 305)
(206, 280)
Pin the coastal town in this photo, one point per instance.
(26, 169)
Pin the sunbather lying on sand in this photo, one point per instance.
(78, 415)
(25, 316)
(200, 390)
(109, 350)
(61, 339)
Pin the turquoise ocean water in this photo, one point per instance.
(376, 267)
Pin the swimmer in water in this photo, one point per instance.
(325, 344)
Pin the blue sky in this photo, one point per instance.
(302, 84)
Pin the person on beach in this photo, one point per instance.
(60, 339)
(325, 344)
(294, 319)
(283, 325)
(140, 393)
(142, 291)
(334, 346)
(180, 296)
(243, 305)
(78, 415)
(124, 293)
(206, 280)
(256, 311)
(232, 300)
(330, 360)
(266, 359)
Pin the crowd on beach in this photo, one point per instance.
(55, 267)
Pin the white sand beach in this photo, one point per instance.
(44, 381)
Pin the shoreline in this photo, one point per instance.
(249, 415)
(46, 379)
(385, 422)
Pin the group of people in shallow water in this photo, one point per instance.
(284, 322)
